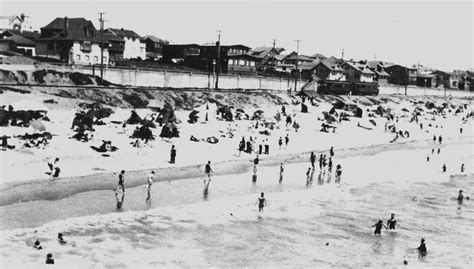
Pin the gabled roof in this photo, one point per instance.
(123, 32)
(155, 39)
(398, 65)
(364, 69)
(292, 56)
(278, 57)
(308, 66)
(75, 30)
(26, 34)
(17, 39)
(261, 52)
(331, 65)
(381, 73)
(318, 55)
(111, 37)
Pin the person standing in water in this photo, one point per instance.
(208, 171)
(444, 168)
(422, 248)
(440, 139)
(282, 169)
(280, 142)
(287, 140)
(261, 202)
(312, 159)
(150, 182)
(331, 152)
(462, 168)
(392, 222)
(378, 227)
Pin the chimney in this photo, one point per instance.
(66, 26)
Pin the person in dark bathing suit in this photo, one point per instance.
(422, 248)
(392, 222)
(378, 227)
(261, 202)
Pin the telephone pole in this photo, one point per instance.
(218, 62)
(296, 64)
(342, 57)
(274, 42)
(101, 20)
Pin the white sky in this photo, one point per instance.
(436, 34)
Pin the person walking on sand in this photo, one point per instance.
(462, 168)
(330, 165)
(261, 202)
(308, 174)
(267, 148)
(280, 142)
(331, 152)
(378, 227)
(208, 170)
(150, 182)
(173, 154)
(444, 168)
(440, 139)
(121, 182)
(282, 169)
(287, 140)
(427, 158)
(320, 162)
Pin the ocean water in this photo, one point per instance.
(319, 223)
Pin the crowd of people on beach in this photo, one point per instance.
(261, 146)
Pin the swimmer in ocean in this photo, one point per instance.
(378, 227)
(61, 239)
(392, 222)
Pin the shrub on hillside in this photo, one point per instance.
(135, 100)
(80, 78)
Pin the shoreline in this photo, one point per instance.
(56, 189)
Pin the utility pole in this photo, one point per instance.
(218, 63)
(342, 57)
(101, 20)
(296, 64)
(406, 80)
(274, 42)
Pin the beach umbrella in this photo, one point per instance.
(240, 110)
(37, 125)
(373, 122)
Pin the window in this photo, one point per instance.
(78, 57)
(104, 59)
(86, 46)
(87, 58)
(142, 49)
(242, 62)
(252, 63)
(231, 62)
(89, 31)
(96, 58)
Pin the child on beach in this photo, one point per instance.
(61, 239)
(208, 170)
(37, 245)
(49, 259)
(52, 164)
